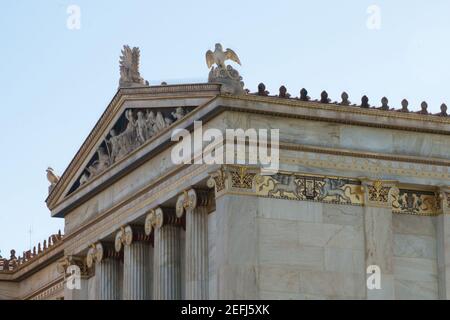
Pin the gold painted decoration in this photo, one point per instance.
(241, 178)
(293, 186)
(425, 203)
(327, 189)
(217, 180)
(378, 192)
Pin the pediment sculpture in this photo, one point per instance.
(134, 128)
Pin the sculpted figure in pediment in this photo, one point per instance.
(114, 144)
(101, 164)
(178, 113)
(160, 122)
(141, 126)
(150, 120)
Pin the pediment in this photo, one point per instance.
(133, 128)
(133, 118)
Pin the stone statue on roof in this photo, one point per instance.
(129, 68)
(224, 74)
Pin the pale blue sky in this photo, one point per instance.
(55, 83)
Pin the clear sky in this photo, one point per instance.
(56, 82)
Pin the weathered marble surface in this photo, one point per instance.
(138, 271)
(212, 265)
(378, 248)
(77, 294)
(236, 247)
(325, 134)
(281, 248)
(196, 257)
(415, 257)
(108, 275)
(167, 274)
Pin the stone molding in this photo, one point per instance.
(54, 288)
(120, 98)
(239, 180)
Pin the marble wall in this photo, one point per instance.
(282, 249)
(415, 257)
(310, 250)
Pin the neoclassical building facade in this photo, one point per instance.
(359, 209)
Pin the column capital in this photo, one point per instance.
(191, 199)
(159, 217)
(217, 180)
(444, 197)
(70, 260)
(99, 251)
(379, 193)
(129, 234)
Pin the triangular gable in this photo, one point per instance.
(133, 128)
(124, 127)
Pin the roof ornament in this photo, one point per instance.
(262, 90)
(283, 93)
(129, 68)
(405, 104)
(443, 112)
(344, 97)
(384, 103)
(52, 177)
(324, 97)
(224, 74)
(423, 108)
(365, 102)
(304, 95)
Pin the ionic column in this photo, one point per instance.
(443, 244)
(379, 239)
(108, 271)
(137, 265)
(166, 264)
(76, 277)
(194, 203)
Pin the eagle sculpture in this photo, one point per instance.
(219, 57)
(52, 177)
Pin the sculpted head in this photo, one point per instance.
(101, 151)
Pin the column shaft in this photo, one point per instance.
(379, 236)
(137, 271)
(196, 275)
(108, 279)
(167, 271)
(443, 246)
(379, 241)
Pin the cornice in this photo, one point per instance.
(340, 108)
(51, 255)
(149, 93)
(54, 286)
